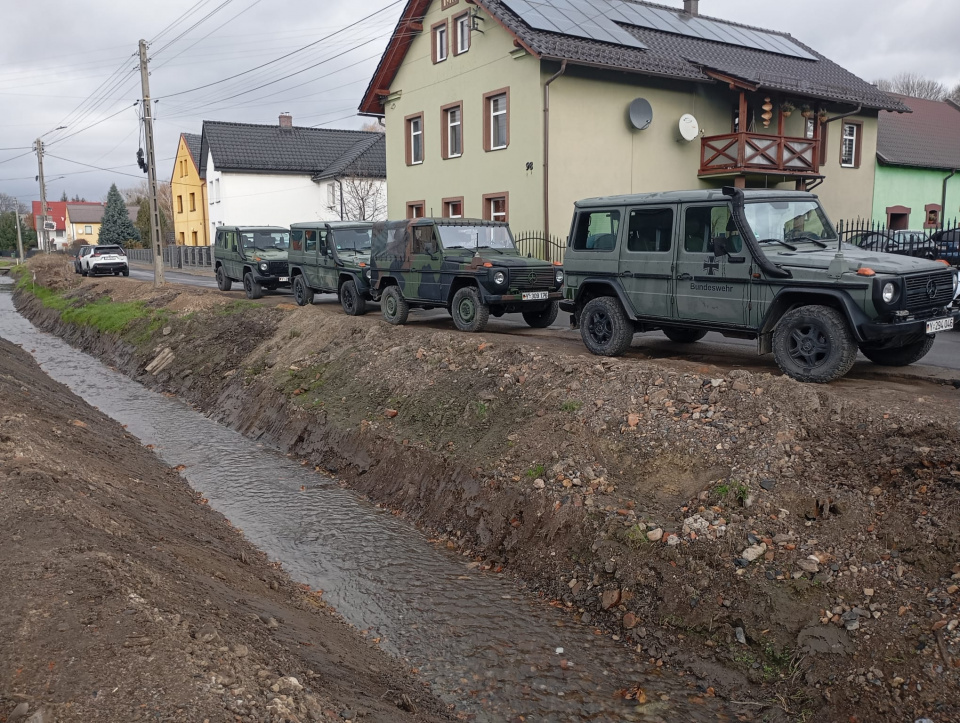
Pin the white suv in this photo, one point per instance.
(105, 260)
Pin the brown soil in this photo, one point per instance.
(631, 491)
(125, 598)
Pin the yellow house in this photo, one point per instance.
(189, 193)
(83, 222)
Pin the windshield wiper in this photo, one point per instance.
(779, 241)
(491, 247)
(454, 247)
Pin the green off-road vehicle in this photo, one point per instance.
(753, 264)
(470, 267)
(256, 256)
(330, 258)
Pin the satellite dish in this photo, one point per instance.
(640, 114)
(688, 128)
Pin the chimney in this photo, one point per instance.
(286, 120)
(691, 7)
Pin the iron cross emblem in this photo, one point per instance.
(711, 266)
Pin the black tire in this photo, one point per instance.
(899, 356)
(394, 307)
(605, 328)
(683, 336)
(542, 318)
(469, 313)
(224, 283)
(76, 269)
(84, 272)
(814, 344)
(251, 287)
(126, 272)
(302, 293)
(351, 301)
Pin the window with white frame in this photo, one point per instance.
(850, 147)
(453, 208)
(462, 25)
(496, 208)
(497, 107)
(440, 43)
(454, 132)
(415, 126)
(332, 194)
(87, 230)
(216, 190)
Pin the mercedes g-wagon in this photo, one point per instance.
(330, 258)
(255, 256)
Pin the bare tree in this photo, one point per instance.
(9, 203)
(913, 85)
(363, 199)
(373, 127)
(133, 194)
(954, 94)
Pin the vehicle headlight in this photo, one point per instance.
(889, 292)
(368, 273)
(499, 278)
(956, 280)
(263, 267)
(559, 276)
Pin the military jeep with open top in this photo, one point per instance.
(256, 256)
(330, 258)
(470, 267)
(755, 264)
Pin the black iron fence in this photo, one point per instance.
(541, 246)
(942, 243)
(177, 257)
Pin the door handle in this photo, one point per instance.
(626, 273)
(684, 277)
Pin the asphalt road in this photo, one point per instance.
(713, 349)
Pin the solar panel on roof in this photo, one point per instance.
(597, 20)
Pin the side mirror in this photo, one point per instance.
(721, 248)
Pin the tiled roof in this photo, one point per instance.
(85, 212)
(667, 54)
(272, 149)
(927, 138)
(193, 145)
(57, 210)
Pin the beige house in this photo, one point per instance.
(514, 109)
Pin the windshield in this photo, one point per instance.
(353, 239)
(471, 237)
(795, 221)
(264, 240)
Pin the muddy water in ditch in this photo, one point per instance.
(486, 646)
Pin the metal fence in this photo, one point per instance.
(540, 246)
(941, 243)
(177, 257)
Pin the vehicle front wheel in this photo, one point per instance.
(683, 336)
(469, 312)
(394, 307)
(605, 328)
(351, 301)
(223, 281)
(814, 344)
(542, 318)
(899, 356)
(253, 289)
(84, 272)
(302, 293)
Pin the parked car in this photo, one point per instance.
(330, 258)
(255, 256)
(81, 252)
(104, 260)
(947, 244)
(904, 243)
(470, 267)
(755, 264)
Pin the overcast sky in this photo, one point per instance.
(82, 42)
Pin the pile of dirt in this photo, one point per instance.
(126, 598)
(802, 538)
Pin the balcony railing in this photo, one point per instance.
(757, 152)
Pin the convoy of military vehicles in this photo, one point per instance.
(754, 264)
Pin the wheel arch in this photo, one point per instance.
(793, 298)
(591, 288)
(460, 282)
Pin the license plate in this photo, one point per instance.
(284, 278)
(535, 295)
(939, 325)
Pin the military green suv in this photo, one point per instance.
(753, 264)
(470, 267)
(330, 258)
(256, 256)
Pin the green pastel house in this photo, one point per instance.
(917, 153)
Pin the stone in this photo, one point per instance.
(586, 618)
(390, 413)
(539, 484)
(753, 552)
(206, 634)
(741, 636)
(167, 330)
(655, 535)
(629, 621)
(673, 540)
(868, 592)
(633, 420)
(768, 484)
(19, 712)
(876, 492)
(41, 716)
(609, 598)
(808, 565)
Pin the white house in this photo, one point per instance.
(260, 175)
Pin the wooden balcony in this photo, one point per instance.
(759, 153)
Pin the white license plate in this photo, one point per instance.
(535, 295)
(284, 278)
(939, 325)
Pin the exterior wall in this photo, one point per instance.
(848, 192)
(188, 222)
(77, 235)
(491, 63)
(914, 188)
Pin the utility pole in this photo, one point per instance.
(156, 240)
(16, 214)
(44, 244)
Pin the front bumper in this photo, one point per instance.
(271, 280)
(879, 331)
(110, 267)
(518, 298)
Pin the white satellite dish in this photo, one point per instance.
(688, 128)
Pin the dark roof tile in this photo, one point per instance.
(927, 138)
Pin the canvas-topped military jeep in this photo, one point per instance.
(256, 256)
(470, 267)
(754, 264)
(330, 258)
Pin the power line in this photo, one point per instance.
(207, 35)
(102, 120)
(179, 19)
(13, 158)
(202, 20)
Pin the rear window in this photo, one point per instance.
(106, 250)
(597, 231)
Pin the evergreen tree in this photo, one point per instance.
(143, 219)
(8, 233)
(117, 228)
(64, 197)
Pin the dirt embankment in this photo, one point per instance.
(125, 598)
(797, 543)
